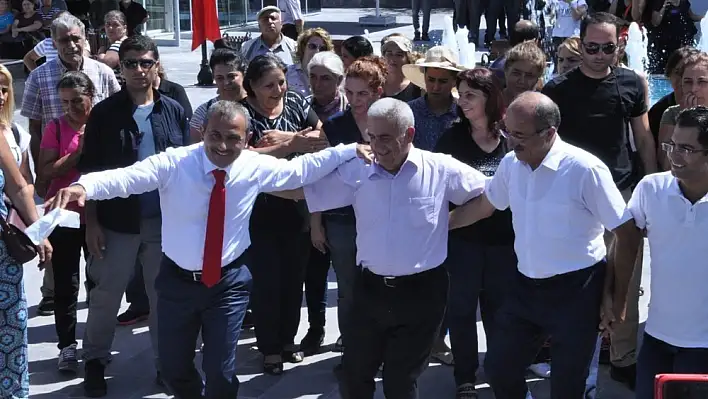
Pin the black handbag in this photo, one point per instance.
(19, 246)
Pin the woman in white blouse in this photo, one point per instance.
(310, 42)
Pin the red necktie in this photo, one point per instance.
(214, 242)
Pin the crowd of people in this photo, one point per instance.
(429, 188)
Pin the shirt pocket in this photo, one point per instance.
(422, 211)
(553, 220)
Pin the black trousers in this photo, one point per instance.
(289, 30)
(67, 244)
(394, 322)
(316, 287)
(278, 261)
(566, 307)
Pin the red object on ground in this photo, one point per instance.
(205, 22)
(662, 380)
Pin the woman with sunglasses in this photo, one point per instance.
(60, 150)
(481, 258)
(310, 42)
(694, 87)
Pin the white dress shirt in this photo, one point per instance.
(676, 230)
(560, 210)
(184, 180)
(401, 220)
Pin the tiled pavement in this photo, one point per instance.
(131, 372)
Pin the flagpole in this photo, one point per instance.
(205, 76)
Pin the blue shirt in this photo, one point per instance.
(149, 202)
(428, 126)
(6, 20)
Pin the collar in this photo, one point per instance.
(209, 167)
(424, 104)
(675, 191)
(555, 155)
(279, 46)
(63, 67)
(414, 158)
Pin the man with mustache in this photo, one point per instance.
(41, 102)
(272, 39)
(205, 282)
(562, 199)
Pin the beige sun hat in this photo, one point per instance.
(437, 57)
(401, 42)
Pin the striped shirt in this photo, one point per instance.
(46, 48)
(41, 98)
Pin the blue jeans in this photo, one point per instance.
(186, 307)
(565, 307)
(659, 357)
(341, 237)
(477, 273)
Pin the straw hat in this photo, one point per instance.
(437, 57)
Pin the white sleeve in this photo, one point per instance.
(603, 199)
(39, 48)
(637, 204)
(25, 138)
(147, 175)
(277, 174)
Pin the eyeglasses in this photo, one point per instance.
(594, 48)
(508, 134)
(132, 64)
(313, 46)
(672, 148)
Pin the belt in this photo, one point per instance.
(398, 281)
(196, 275)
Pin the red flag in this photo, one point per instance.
(205, 22)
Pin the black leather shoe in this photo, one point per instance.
(425, 37)
(312, 342)
(94, 381)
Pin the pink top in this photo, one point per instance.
(66, 143)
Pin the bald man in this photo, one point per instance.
(562, 199)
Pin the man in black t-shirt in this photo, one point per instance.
(598, 103)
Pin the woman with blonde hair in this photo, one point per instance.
(309, 43)
(569, 55)
(397, 51)
(14, 357)
(17, 138)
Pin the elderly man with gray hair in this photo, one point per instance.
(562, 199)
(400, 290)
(41, 103)
(204, 282)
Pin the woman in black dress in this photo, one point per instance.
(283, 125)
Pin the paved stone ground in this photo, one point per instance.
(131, 373)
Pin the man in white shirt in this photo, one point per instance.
(204, 281)
(673, 208)
(293, 22)
(562, 199)
(400, 293)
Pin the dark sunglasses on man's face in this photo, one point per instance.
(594, 48)
(132, 64)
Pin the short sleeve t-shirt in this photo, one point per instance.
(566, 25)
(458, 143)
(410, 93)
(46, 49)
(595, 115)
(65, 142)
(6, 20)
(25, 22)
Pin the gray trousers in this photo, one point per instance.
(342, 248)
(111, 276)
(427, 7)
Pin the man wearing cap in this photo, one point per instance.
(291, 14)
(436, 110)
(271, 39)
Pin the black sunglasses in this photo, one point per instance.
(313, 46)
(594, 48)
(132, 64)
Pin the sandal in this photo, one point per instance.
(271, 366)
